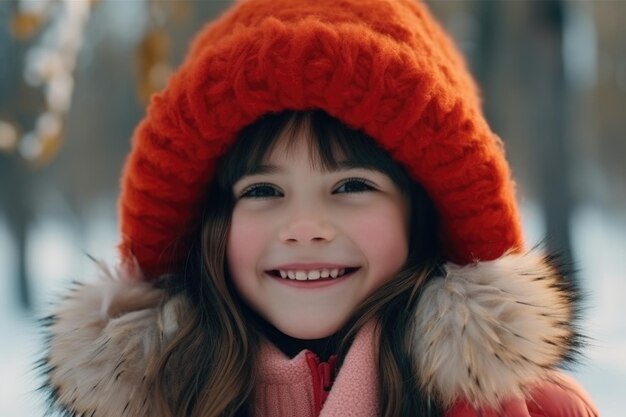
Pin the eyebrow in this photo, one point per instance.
(344, 165)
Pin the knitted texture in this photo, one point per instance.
(285, 386)
(382, 66)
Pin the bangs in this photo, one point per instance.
(330, 142)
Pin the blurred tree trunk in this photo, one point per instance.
(13, 170)
(548, 133)
(13, 184)
(489, 15)
(523, 41)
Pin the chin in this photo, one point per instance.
(307, 331)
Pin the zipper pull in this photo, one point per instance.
(327, 370)
(323, 376)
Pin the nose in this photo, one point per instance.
(306, 227)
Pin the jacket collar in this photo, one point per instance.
(288, 384)
(483, 332)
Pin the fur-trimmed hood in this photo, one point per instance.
(483, 332)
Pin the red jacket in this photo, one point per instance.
(560, 397)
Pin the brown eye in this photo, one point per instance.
(260, 191)
(354, 185)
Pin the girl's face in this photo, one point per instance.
(296, 229)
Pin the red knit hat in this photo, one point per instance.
(382, 66)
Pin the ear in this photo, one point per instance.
(488, 331)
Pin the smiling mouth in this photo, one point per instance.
(313, 275)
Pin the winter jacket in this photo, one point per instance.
(484, 335)
(303, 385)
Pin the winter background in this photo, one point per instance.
(75, 76)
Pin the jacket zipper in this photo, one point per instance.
(323, 374)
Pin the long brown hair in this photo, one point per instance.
(208, 370)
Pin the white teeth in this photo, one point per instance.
(301, 275)
(314, 274)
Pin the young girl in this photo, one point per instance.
(317, 221)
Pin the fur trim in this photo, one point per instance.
(483, 332)
(105, 341)
(490, 330)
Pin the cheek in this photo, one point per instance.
(244, 245)
(383, 239)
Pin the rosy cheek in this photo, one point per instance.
(247, 239)
(244, 242)
(383, 239)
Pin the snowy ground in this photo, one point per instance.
(599, 245)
